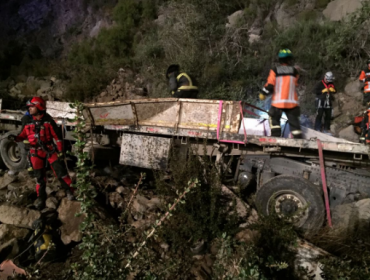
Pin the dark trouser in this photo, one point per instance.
(293, 120)
(38, 160)
(327, 118)
(366, 98)
(186, 94)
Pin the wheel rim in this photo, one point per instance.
(290, 206)
(14, 153)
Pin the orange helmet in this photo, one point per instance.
(38, 102)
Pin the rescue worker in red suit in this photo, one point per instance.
(40, 130)
(282, 82)
(324, 91)
(365, 125)
(365, 79)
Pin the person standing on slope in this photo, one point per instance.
(281, 83)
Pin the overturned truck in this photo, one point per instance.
(289, 173)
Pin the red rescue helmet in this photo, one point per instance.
(38, 102)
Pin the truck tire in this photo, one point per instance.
(13, 154)
(294, 198)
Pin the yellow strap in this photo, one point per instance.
(186, 76)
(187, 88)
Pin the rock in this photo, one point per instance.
(247, 236)
(70, 229)
(139, 207)
(349, 134)
(21, 217)
(9, 270)
(354, 89)
(6, 180)
(103, 94)
(254, 38)
(234, 18)
(60, 194)
(116, 200)
(16, 186)
(52, 203)
(7, 232)
(339, 9)
(154, 204)
(306, 261)
(334, 128)
(9, 249)
(122, 190)
(350, 218)
(283, 18)
(242, 208)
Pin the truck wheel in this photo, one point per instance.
(294, 198)
(13, 154)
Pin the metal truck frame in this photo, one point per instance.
(286, 171)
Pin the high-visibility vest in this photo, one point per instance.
(365, 78)
(284, 79)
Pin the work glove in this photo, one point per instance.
(61, 156)
(31, 172)
(11, 137)
(325, 90)
(262, 96)
(332, 89)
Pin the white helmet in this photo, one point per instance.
(329, 76)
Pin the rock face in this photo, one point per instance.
(49, 25)
(339, 9)
(70, 229)
(21, 217)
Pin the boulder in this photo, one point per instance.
(350, 218)
(70, 229)
(9, 249)
(6, 180)
(349, 134)
(283, 18)
(242, 209)
(52, 203)
(353, 89)
(339, 9)
(7, 232)
(234, 18)
(21, 217)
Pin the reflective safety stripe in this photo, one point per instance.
(296, 132)
(275, 126)
(187, 87)
(186, 76)
(190, 86)
(367, 87)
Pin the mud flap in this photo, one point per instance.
(145, 151)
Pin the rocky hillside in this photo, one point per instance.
(111, 50)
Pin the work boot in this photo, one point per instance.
(39, 203)
(70, 195)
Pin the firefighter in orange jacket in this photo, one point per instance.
(365, 78)
(282, 82)
(365, 125)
